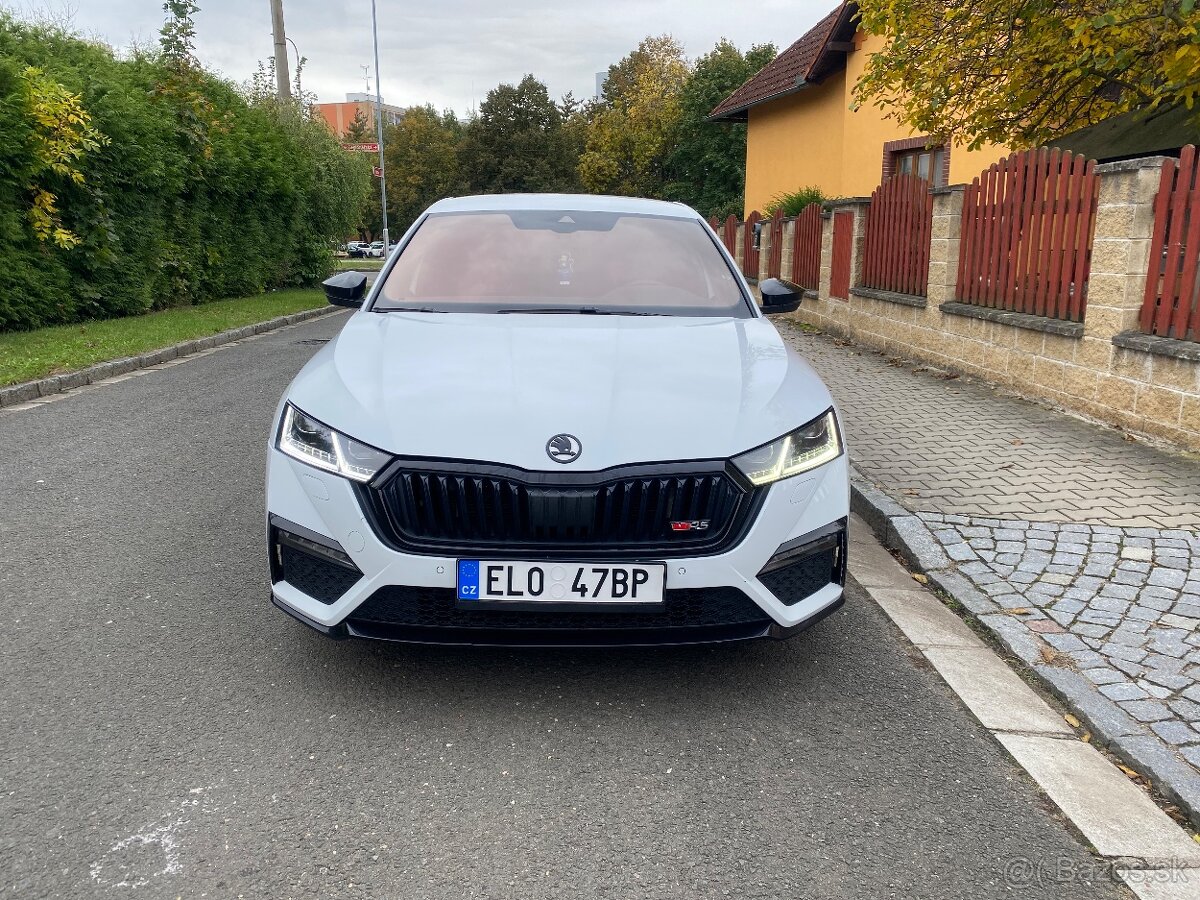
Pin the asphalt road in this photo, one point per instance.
(164, 731)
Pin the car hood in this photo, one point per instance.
(496, 388)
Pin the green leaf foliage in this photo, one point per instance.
(193, 193)
(1021, 72)
(423, 152)
(517, 142)
(795, 202)
(707, 168)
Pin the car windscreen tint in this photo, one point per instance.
(563, 261)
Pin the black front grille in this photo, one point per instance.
(423, 607)
(455, 507)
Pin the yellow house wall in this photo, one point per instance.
(794, 142)
(813, 138)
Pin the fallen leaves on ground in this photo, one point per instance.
(1018, 610)
(1071, 720)
(921, 579)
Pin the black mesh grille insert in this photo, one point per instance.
(436, 511)
(805, 576)
(320, 579)
(437, 607)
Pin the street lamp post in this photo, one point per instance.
(298, 88)
(379, 132)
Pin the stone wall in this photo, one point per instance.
(1102, 367)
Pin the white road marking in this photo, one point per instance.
(153, 852)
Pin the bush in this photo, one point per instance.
(191, 193)
(794, 203)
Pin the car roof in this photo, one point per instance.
(581, 202)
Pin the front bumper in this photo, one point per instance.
(772, 583)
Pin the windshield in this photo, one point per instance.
(563, 261)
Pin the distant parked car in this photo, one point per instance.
(375, 251)
(357, 249)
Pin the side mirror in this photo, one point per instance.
(346, 289)
(779, 296)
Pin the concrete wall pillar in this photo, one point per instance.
(1121, 248)
(944, 244)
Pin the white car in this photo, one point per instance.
(375, 250)
(557, 420)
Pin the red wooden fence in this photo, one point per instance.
(775, 249)
(1027, 227)
(749, 251)
(896, 241)
(1171, 307)
(806, 248)
(729, 234)
(843, 241)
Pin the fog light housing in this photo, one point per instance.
(801, 567)
(312, 563)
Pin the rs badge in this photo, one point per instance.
(693, 525)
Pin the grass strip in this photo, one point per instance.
(27, 355)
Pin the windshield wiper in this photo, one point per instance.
(424, 309)
(579, 310)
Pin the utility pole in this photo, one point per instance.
(282, 83)
(379, 131)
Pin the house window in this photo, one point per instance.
(925, 164)
(913, 157)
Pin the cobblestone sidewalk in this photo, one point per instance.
(1085, 541)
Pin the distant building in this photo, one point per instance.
(340, 115)
(601, 80)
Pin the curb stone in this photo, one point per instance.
(57, 384)
(899, 530)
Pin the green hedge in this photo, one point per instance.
(195, 194)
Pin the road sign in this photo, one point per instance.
(361, 148)
(376, 171)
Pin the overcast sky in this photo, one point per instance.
(446, 52)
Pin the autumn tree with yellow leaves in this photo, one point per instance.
(630, 136)
(1021, 72)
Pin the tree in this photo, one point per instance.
(167, 185)
(707, 167)
(629, 138)
(516, 143)
(1021, 72)
(423, 163)
(177, 36)
(360, 129)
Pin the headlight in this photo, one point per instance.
(304, 438)
(805, 448)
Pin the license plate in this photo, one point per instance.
(557, 582)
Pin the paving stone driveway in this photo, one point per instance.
(1089, 540)
(959, 446)
(1123, 604)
